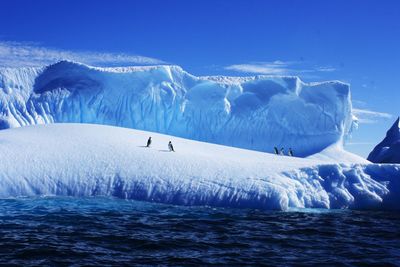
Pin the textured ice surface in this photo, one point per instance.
(252, 112)
(388, 151)
(95, 160)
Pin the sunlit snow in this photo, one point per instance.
(96, 160)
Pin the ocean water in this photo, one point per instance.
(105, 231)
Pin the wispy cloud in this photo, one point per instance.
(277, 68)
(358, 103)
(17, 54)
(359, 143)
(325, 69)
(369, 116)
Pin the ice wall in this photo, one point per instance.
(250, 112)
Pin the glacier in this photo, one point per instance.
(255, 113)
(388, 151)
(96, 160)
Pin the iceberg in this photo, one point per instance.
(388, 151)
(85, 130)
(97, 160)
(255, 113)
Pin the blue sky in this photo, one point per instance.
(353, 41)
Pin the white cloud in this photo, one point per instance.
(326, 69)
(359, 143)
(16, 54)
(276, 68)
(358, 103)
(369, 116)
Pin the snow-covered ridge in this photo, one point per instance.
(95, 160)
(128, 69)
(252, 112)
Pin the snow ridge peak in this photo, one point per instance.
(395, 129)
(388, 150)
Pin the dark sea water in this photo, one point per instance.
(103, 231)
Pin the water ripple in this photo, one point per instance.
(103, 231)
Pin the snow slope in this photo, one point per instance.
(335, 153)
(92, 160)
(388, 151)
(249, 112)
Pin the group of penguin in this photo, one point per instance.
(170, 146)
(277, 152)
(282, 151)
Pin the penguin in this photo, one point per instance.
(148, 142)
(171, 147)
(282, 152)
(290, 152)
(276, 150)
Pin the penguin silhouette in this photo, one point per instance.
(171, 147)
(148, 142)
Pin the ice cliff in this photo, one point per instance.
(249, 112)
(388, 151)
